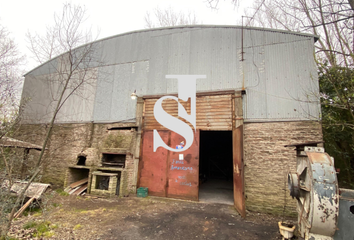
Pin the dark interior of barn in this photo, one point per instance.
(215, 167)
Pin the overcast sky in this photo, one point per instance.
(111, 17)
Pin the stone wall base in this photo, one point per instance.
(267, 162)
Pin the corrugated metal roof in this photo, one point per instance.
(183, 27)
(278, 72)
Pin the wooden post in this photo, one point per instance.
(24, 163)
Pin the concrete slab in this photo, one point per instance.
(216, 191)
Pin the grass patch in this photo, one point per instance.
(48, 234)
(77, 227)
(30, 224)
(54, 226)
(56, 205)
(37, 214)
(35, 210)
(43, 229)
(61, 192)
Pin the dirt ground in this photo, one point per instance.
(133, 218)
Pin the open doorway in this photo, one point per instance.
(216, 167)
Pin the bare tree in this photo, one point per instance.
(68, 23)
(10, 81)
(168, 17)
(10, 84)
(333, 22)
(70, 73)
(213, 4)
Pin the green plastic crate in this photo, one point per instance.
(142, 192)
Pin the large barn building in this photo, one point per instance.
(256, 90)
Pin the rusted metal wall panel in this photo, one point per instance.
(213, 112)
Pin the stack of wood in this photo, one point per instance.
(77, 188)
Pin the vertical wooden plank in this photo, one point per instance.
(183, 174)
(239, 196)
(140, 106)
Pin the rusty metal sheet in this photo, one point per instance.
(213, 112)
(153, 165)
(321, 158)
(183, 170)
(239, 194)
(164, 173)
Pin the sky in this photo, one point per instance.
(108, 17)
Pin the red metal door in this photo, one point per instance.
(183, 170)
(153, 165)
(239, 194)
(166, 173)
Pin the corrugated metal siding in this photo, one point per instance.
(287, 81)
(213, 112)
(277, 72)
(113, 101)
(42, 93)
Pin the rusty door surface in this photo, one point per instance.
(183, 170)
(238, 168)
(153, 165)
(163, 172)
(166, 173)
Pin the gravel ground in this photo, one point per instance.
(69, 217)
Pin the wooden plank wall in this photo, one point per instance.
(213, 112)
